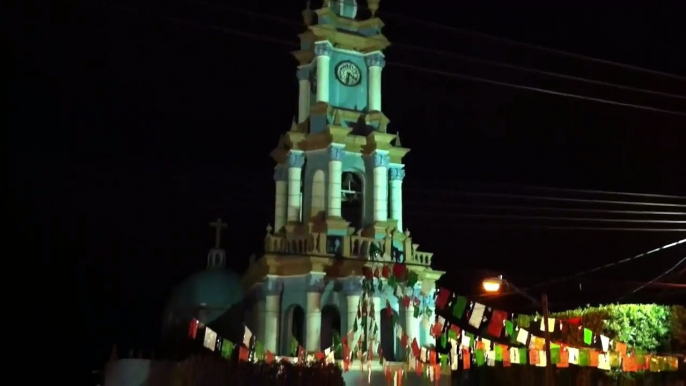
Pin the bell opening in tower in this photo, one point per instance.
(352, 199)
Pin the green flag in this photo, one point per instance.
(459, 307)
(294, 347)
(480, 357)
(588, 336)
(227, 348)
(498, 353)
(259, 350)
(523, 356)
(555, 355)
(584, 357)
(509, 328)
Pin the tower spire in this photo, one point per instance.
(307, 15)
(373, 6)
(218, 226)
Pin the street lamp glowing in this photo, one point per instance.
(492, 284)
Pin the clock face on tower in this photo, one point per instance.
(348, 73)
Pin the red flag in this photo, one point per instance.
(193, 328)
(436, 329)
(415, 348)
(442, 299)
(242, 354)
(403, 340)
(320, 356)
(495, 327)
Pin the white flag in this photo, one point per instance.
(604, 361)
(573, 355)
(514, 355)
(477, 315)
(551, 324)
(605, 341)
(522, 336)
(247, 335)
(542, 360)
(210, 340)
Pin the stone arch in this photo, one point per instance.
(330, 325)
(292, 326)
(318, 203)
(353, 200)
(387, 335)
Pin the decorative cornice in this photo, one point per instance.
(352, 286)
(296, 159)
(303, 73)
(280, 173)
(381, 160)
(315, 282)
(375, 59)
(336, 152)
(322, 49)
(397, 174)
(271, 286)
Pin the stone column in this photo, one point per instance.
(281, 197)
(322, 50)
(375, 63)
(396, 195)
(304, 98)
(296, 160)
(272, 304)
(376, 300)
(336, 154)
(411, 327)
(381, 162)
(352, 289)
(313, 322)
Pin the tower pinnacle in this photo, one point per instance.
(373, 6)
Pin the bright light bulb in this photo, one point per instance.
(492, 284)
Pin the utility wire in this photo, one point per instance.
(536, 71)
(559, 218)
(660, 276)
(269, 39)
(412, 47)
(289, 22)
(531, 46)
(532, 187)
(548, 198)
(606, 266)
(544, 209)
(534, 89)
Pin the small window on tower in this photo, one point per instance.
(352, 199)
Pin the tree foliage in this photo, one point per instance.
(646, 327)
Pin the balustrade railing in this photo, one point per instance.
(348, 246)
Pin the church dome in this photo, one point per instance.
(207, 294)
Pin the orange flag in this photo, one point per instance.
(269, 357)
(466, 359)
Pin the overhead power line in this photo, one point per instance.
(532, 46)
(401, 45)
(545, 209)
(536, 71)
(589, 191)
(606, 266)
(534, 89)
(270, 39)
(559, 218)
(548, 198)
(660, 276)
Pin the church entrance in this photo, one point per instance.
(292, 328)
(388, 336)
(352, 198)
(331, 326)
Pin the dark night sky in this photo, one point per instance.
(132, 128)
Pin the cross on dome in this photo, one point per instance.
(218, 226)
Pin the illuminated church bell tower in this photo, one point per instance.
(338, 170)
